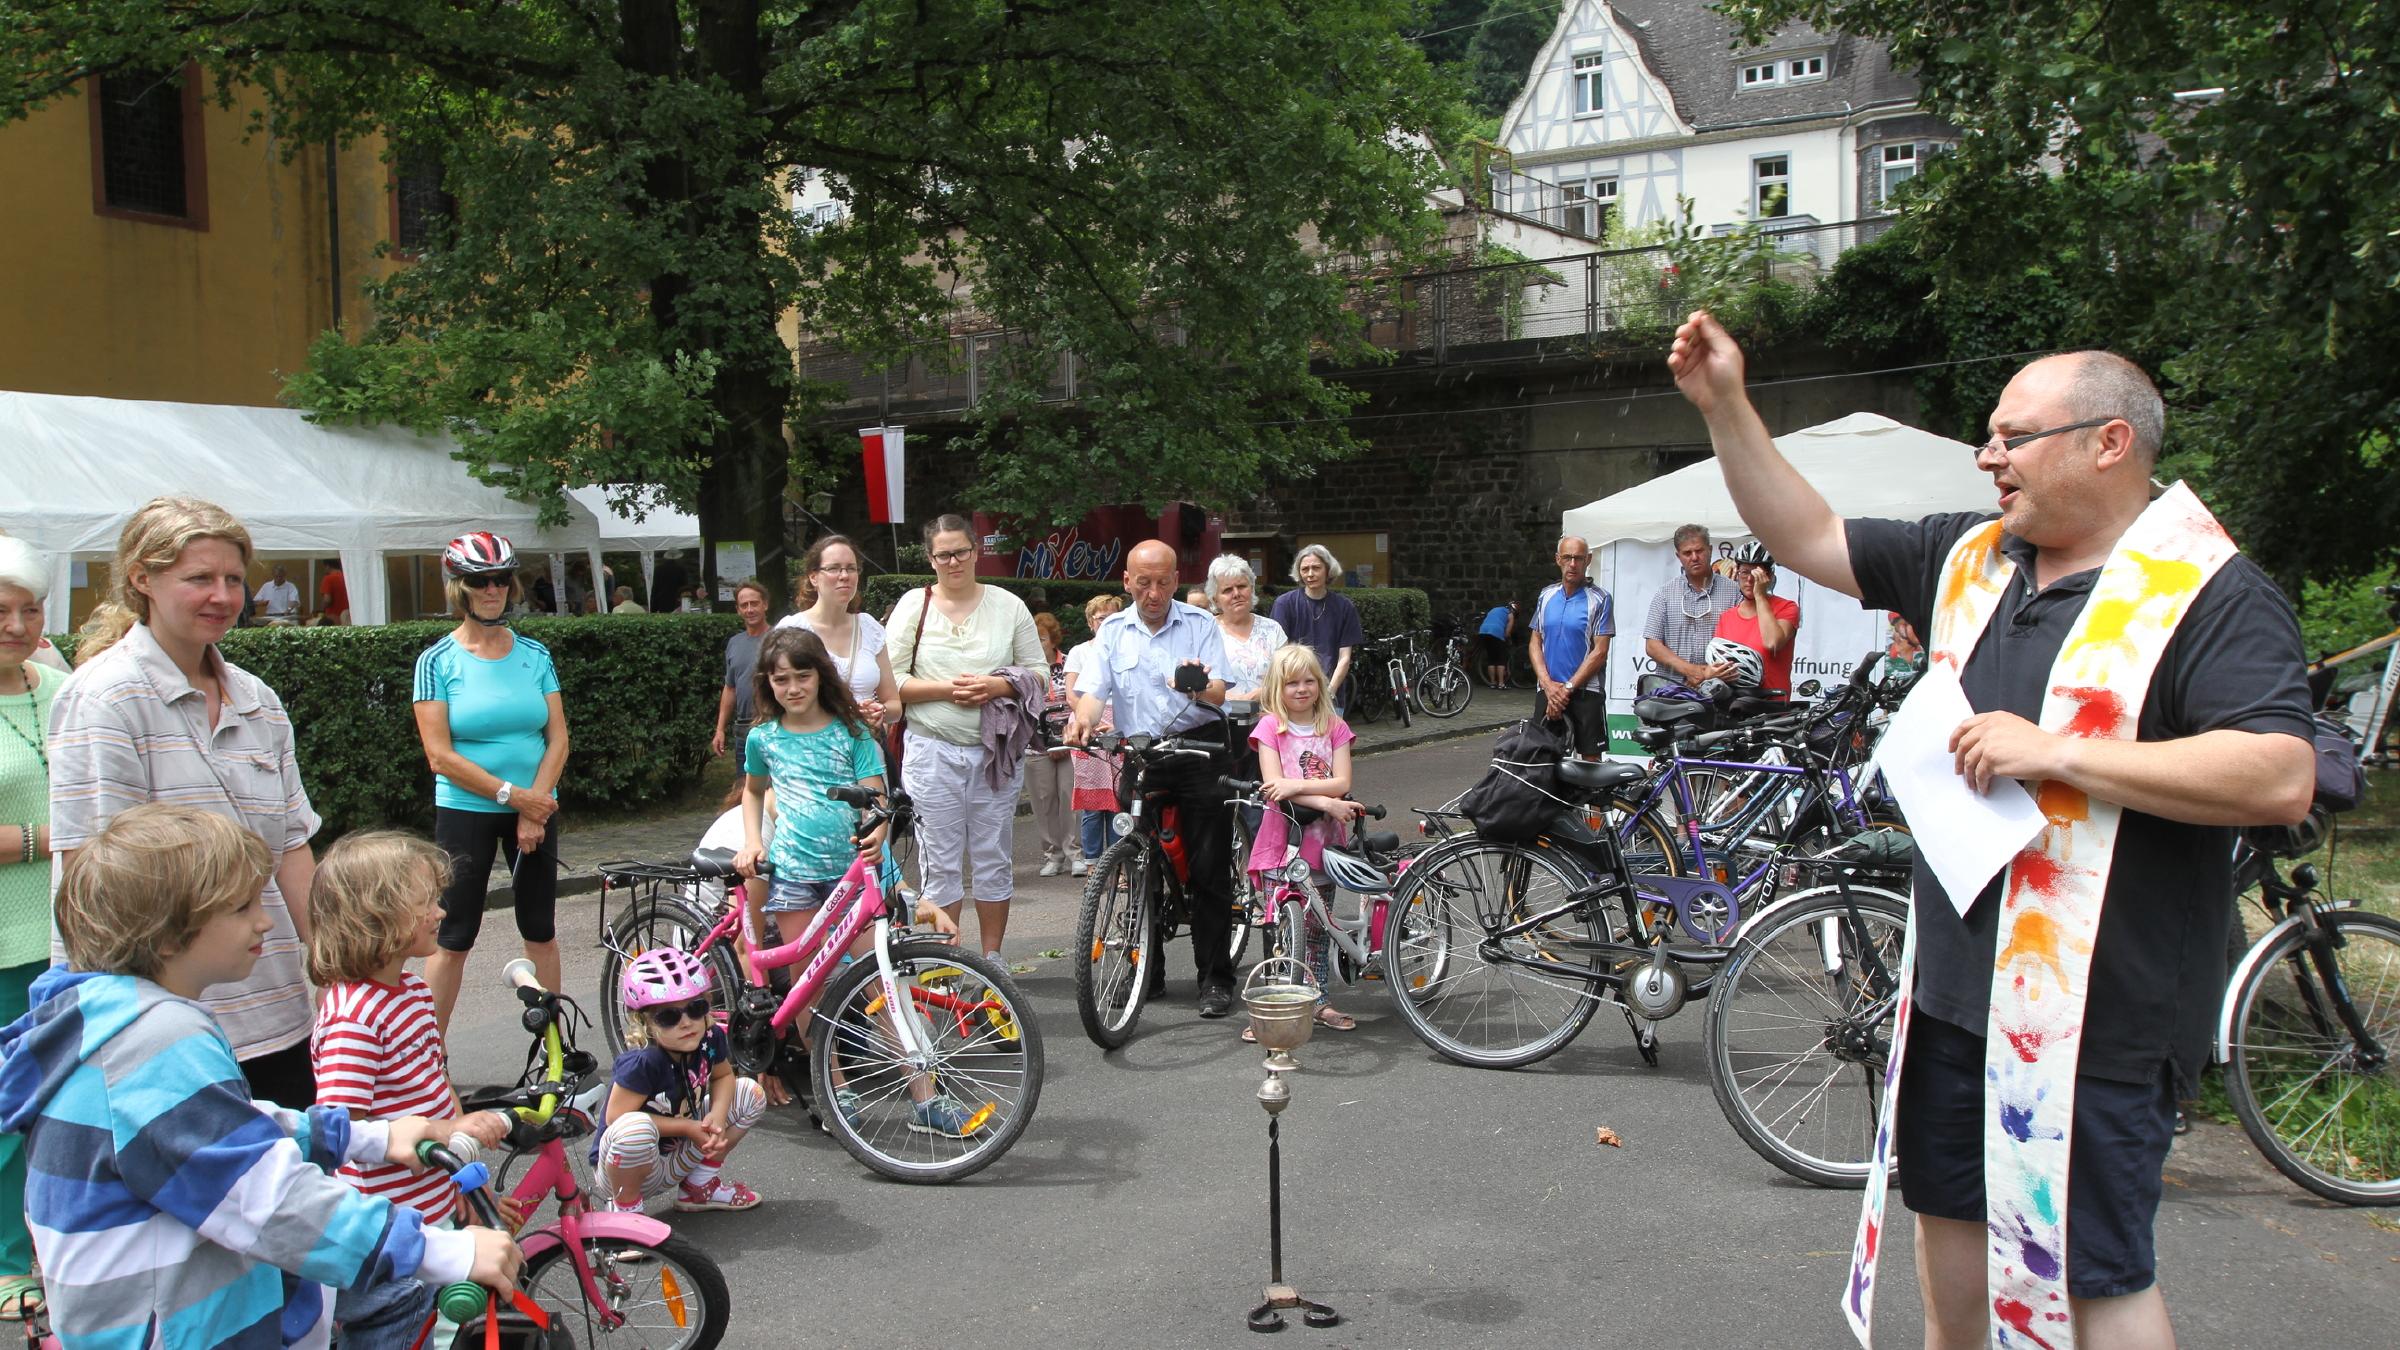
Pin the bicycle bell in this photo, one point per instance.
(1657, 988)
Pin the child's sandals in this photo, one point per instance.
(20, 1298)
(719, 1194)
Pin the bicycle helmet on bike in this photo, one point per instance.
(1753, 554)
(1749, 671)
(479, 553)
(2290, 841)
(663, 975)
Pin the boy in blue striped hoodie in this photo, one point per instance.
(169, 1209)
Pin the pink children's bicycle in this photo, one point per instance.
(594, 1276)
(923, 1059)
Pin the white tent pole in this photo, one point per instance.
(58, 606)
(649, 573)
(558, 583)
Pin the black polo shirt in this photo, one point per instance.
(2158, 966)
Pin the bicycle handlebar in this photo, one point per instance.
(465, 1300)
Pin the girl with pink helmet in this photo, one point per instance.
(675, 1108)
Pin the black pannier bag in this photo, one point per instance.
(1518, 796)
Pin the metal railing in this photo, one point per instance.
(1611, 296)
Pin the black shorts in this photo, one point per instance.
(470, 838)
(2121, 1135)
(1495, 650)
(1586, 719)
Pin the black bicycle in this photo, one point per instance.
(1379, 679)
(2311, 1017)
(1498, 952)
(1139, 892)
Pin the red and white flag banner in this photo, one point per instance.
(887, 473)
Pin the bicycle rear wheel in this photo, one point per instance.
(2324, 1111)
(1116, 941)
(671, 1294)
(1799, 1030)
(1475, 1004)
(984, 1054)
(653, 923)
(1444, 691)
(1400, 697)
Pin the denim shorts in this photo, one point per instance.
(785, 896)
(2121, 1135)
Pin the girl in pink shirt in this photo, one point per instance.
(1304, 762)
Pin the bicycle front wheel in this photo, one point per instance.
(2321, 1105)
(970, 1099)
(1799, 1030)
(645, 926)
(670, 1293)
(1494, 1003)
(1116, 941)
(1444, 691)
(1400, 699)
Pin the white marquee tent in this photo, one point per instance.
(662, 529)
(1865, 465)
(301, 489)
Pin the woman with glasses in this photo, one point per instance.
(495, 731)
(951, 643)
(825, 602)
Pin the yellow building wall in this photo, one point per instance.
(140, 309)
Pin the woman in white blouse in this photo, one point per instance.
(949, 641)
(1250, 637)
(825, 602)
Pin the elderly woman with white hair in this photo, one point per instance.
(1250, 637)
(1322, 619)
(27, 687)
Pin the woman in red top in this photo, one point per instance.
(1764, 622)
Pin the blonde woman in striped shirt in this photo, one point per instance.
(156, 714)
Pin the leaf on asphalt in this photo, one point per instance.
(1609, 1137)
(1053, 953)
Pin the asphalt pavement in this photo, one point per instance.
(1433, 1205)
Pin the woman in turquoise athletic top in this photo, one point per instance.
(495, 732)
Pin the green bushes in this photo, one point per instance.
(1381, 609)
(641, 696)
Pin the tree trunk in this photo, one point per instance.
(741, 490)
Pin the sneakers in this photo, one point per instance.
(718, 1194)
(1216, 1001)
(941, 1114)
(1053, 865)
(1078, 865)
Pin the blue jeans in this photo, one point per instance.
(387, 1315)
(1098, 828)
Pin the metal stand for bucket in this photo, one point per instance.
(1282, 1018)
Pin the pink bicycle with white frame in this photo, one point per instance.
(923, 1058)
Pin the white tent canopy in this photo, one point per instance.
(1864, 465)
(662, 529)
(301, 489)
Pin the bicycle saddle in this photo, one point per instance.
(711, 864)
(1598, 775)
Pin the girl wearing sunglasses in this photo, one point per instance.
(675, 1108)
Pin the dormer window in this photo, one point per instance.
(1804, 69)
(1764, 75)
(1590, 97)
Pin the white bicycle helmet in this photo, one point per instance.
(1749, 671)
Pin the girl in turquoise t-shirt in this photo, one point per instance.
(819, 741)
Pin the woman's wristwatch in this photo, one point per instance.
(506, 788)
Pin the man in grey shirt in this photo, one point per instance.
(1683, 615)
(741, 662)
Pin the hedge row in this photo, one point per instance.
(1381, 609)
(641, 695)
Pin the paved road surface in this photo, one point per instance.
(1433, 1205)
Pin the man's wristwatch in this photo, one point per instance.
(502, 795)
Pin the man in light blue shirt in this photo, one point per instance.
(1140, 650)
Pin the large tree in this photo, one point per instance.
(1148, 184)
(2206, 184)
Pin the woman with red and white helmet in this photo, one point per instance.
(495, 732)
(675, 1108)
